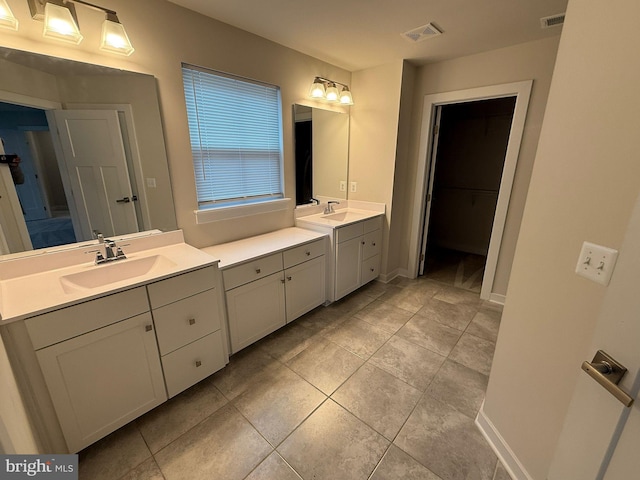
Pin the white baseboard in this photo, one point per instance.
(509, 460)
(398, 272)
(497, 298)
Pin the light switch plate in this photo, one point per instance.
(354, 187)
(596, 262)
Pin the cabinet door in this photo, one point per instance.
(347, 267)
(304, 287)
(255, 310)
(102, 380)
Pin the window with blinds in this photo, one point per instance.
(235, 125)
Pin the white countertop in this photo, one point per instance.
(339, 218)
(234, 253)
(36, 292)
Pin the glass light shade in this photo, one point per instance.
(115, 39)
(332, 93)
(59, 24)
(345, 97)
(7, 20)
(317, 89)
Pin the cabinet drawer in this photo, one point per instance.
(348, 232)
(370, 269)
(186, 320)
(181, 286)
(252, 270)
(59, 325)
(302, 253)
(192, 363)
(373, 224)
(371, 244)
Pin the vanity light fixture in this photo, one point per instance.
(7, 18)
(61, 23)
(325, 89)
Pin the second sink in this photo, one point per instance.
(99, 276)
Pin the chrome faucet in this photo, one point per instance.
(111, 251)
(329, 207)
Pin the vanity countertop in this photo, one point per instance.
(338, 218)
(234, 253)
(55, 286)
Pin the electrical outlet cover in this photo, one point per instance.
(596, 262)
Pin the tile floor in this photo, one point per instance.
(384, 384)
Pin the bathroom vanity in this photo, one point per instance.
(95, 346)
(355, 242)
(270, 280)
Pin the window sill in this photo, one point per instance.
(239, 211)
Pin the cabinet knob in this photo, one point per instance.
(307, 253)
(148, 328)
(198, 363)
(282, 280)
(192, 321)
(289, 278)
(258, 270)
(373, 269)
(373, 243)
(363, 242)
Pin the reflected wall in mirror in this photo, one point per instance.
(92, 152)
(322, 153)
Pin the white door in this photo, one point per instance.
(431, 177)
(600, 438)
(94, 169)
(29, 192)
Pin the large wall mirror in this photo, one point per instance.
(321, 152)
(92, 151)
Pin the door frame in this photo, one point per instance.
(522, 92)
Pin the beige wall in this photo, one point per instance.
(533, 60)
(165, 35)
(373, 138)
(584, 185)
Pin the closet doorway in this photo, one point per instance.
(518, 91)
(470, 144)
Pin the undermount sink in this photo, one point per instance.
(346, 216)
(102, 275)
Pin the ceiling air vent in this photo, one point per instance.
(422, 33)
(552, 21)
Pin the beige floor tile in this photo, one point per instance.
(359, 337)
(407, 361)
(273, 468)
(286, 342)
(384, 315)
(322, 319)
(408, 298)
(225, 446)
(474, 352)
(397, 465)
(460, 387)
(485, 324)
(325, 365)
(333, 444)
(447, 442)
(457, 295)
(164, 424)
(457, 316)
(147, 470)
(278, 402)
(430, 334)
(378, 399)
(243, 369)
(113, 456)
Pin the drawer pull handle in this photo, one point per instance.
(148, 328)
(308, 253)
(198, 363)
(192, 321)
(289, 278)
(258, 270)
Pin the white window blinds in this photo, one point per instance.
(235, 127)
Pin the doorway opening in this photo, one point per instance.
(470, 141)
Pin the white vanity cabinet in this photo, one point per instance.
(265, 293)
(357, 255)
(100, 363)
(189, 327)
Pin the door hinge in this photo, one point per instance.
(422, 257)
(428, 197)
(436, 129)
